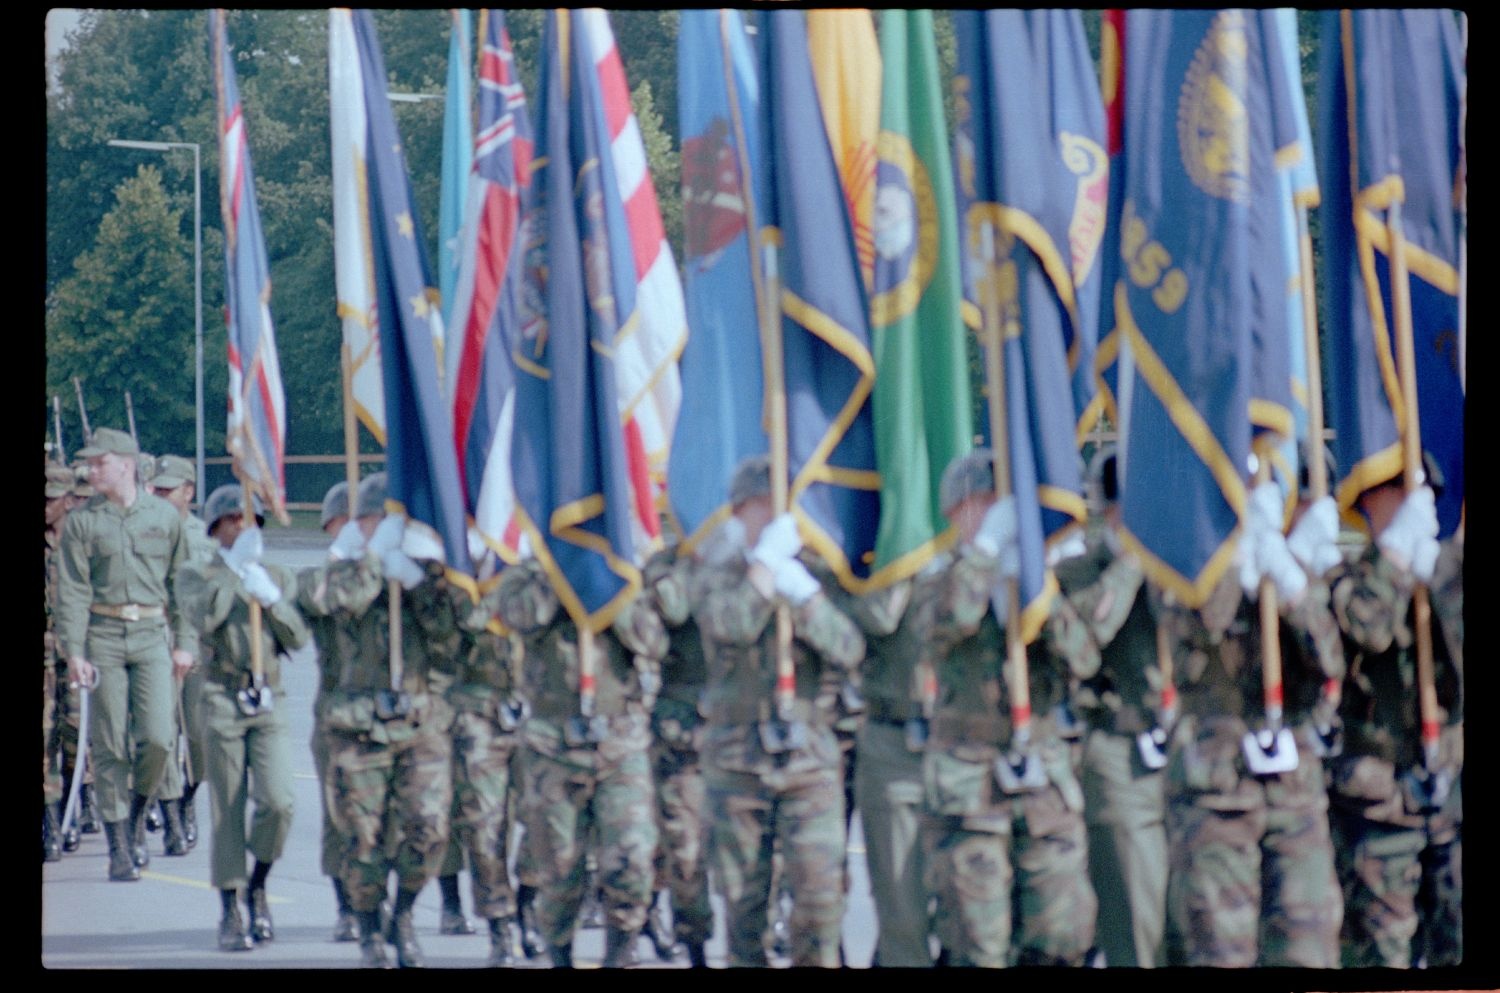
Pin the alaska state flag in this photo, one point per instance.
(1390, 88)
(722, 382)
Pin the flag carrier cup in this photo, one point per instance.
(512, 713)
(256, 697)
(1152, 743)
(585, 729)
(918, 729)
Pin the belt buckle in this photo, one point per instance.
(130, 612)
(582, 731)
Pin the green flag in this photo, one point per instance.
(922, 404)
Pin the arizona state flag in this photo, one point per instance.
(568, 459)
(1389, 102)
(828, 370)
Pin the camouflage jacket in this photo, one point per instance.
(1217, 652)
(888, 679)
(684, 673)
(214, 597)
(354, 646)
(1373, 604)
(1109, 594)
(965, 642)
(490, 655)
(627, 668)
(50, 542)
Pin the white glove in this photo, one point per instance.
(1267, 508)
(1314, 540)
(402, 568)
(998, 529)
(259, 584)
(1070, 547)
(1279, 565)
(1410, 540)
(247, 549)
(387, 536)
(348, 544)
(778, 542)
(421, 542)
(794, 582)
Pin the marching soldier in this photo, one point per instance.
(172, 479)
(582, 774)
(247, 744)
(997, 843)
(390, 754)
(58, 484)
(772, 776)
(681, 861)
(121, 554)
(1399, 824)
(1124, 789)
(1252, 876)
(67, 716)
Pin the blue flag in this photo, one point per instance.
(568, 460)
(1032, 177)
(722, 380)
(421, 467)
(458, 137)
(828, 369)
(1200, 278)
(1400, 73)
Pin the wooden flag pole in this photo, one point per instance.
(1270, 631)
(775, 401)
(257, 653)
(83, 412)
(351, 429)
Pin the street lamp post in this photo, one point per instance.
(163, 146)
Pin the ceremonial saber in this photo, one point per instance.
(83, 412)
(130, 418)
(70, 809)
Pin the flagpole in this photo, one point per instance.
(775, 400)
(351, 430)
(1270, 630)
(257, 655)
(994, 341)
(1411, 452)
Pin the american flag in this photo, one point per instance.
(256, 433)
(484, 310)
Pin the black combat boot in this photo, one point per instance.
(347, 928)
(88, 811)
(453, 920)
(504, 941)
(531, 936)
(175, 837)
(70, 836)
(153, 820)
(189, 815)
(696, 957)
(659, 928)
(261, 928)
(403, 933)
(51, 842)
(619, 949)
(137, 822)
(562, 956)
(233, 937)
(372, 941)
(122, 867)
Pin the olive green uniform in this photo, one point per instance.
(202, 550)
(122, 561)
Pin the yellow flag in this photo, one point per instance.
(846, 69)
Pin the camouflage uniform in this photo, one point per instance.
(793, 797)
(570, 792)
(1400, 866)
(681, 859)
(245, 757)
(391, 775)
(1009, 871)
(1252, 876)
(1124, 802)
(325, 634)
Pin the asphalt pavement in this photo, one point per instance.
(169, 919)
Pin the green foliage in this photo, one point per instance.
(664, 160)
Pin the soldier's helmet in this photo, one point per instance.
(1103, 475)
(228, 501)
(335, 503)
(966, 476)
(752, 478)
(371, 497)
(172, 471)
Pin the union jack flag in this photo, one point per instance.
(485, 317)
(256, 433)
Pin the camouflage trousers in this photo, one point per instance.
(1252, 877)
(681, 855)
(528, 866)
(1125, 806)
(1402, 876)
(572, 797)
(390, 804)
(52, 789)
(1010, 873)
(248, 758)
(331, 845)
(801, 808)
(888, 791)
(481, 825)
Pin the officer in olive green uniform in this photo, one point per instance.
(1124, 788)
(1007, 860)
(58, 483)
(681, 859)
(1398, 825)
(772, 776)
(247, 741)
(172, 479)
(586, 776)
(1252, 875)
(121, 554)
(390, 757)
